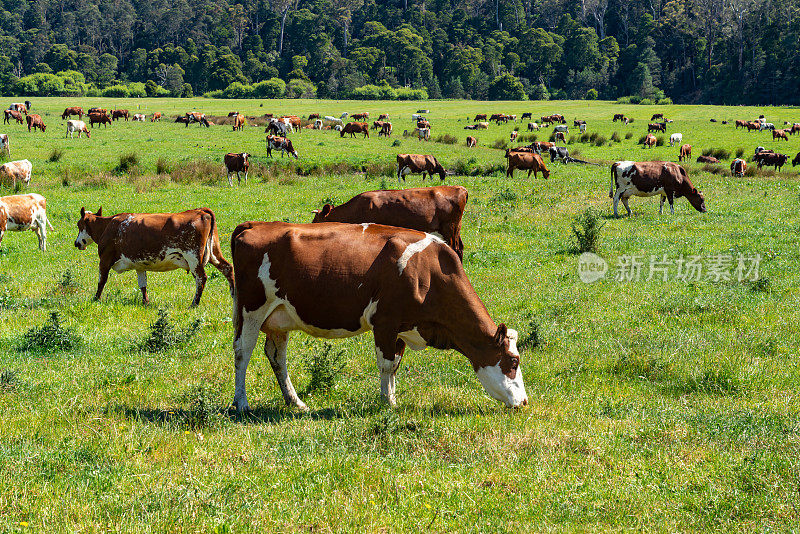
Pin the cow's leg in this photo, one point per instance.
(41, 232)
(661, 203)
(200, 278)
(671, 198)
(230, 182)
(625, 203)
(388, 353)
(142, 277)
(103, 278)
(243, 345)
(275, 350)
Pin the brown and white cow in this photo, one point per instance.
(20, 107)
(386, 129)
(77, 126)
(657, 127)
(383, 117)
(283, 144)
(526, 161)
(11, 114)
(74, 110)
(559, 136)
(472, 142)
(338, 280)
(707, 159)
(436, 210)
(685, 153)
(120, 114)
(237, 162)
(35, 121)
(771, 159)
(514, 135)
(419, 163)
(353, 128)
(197, 117)
(780, 134)
(480, 117)
(27, 212)
(738, 166)
(650, 178)
(155, 242)
(156, 116)
(5, 144)
(138, 117)
(99, 118)
(16, 171)
(650, 141)
(360, 116)
(238, 122)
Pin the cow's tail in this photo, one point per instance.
(613, 180)
(47, 221)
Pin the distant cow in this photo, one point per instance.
(156, 116)
(740, 124)
(767, 126)
(482, 126)
(138, 117)
(120, 114)
(158, 242)
(657, 127)
(675, 139)
(650, 178)
(650, 141)
(422, 133)
(238, 122)
(318, 124)
(237, 162)
(796, 160)
(418, 164)
(795, 128)
(471, 142)
(360, 116)
(22, 108)
(16, 171)
(283, 144)
(35, 121)
(657, 116)
(559, 136)
(313, 116)
(618, 117)
(738, 166)
(77, 126)
(480, 117)
(780, 134)
(561, 128)
(386, 129)
(12, 114)
(383, 117)
(532, 126)
(5, 145)
(75, 110)
(27, 212)
(353, 128)
(197, 117)
(685, 153)
(99, 118)
(771, 159)
(436, 210)
(526, 115)
(560, 153)
(514, 135)
(526, 161)
(707, 159)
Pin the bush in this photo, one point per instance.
(404, 93)
(201, 406)
(628, 135)
(272, 88)
(238, 90)
(660, 140)
(623, 100)
(447, 139)
(664, 101)
(600, 140)
(55, 155)
(500, 144)
(592, 94)
(162, 166)
(127, 162)
(374, 92)
(719, 153)
(739, 152)
(641, 140)
(533, 339)
(646, 102)
(164, 335)
(298, 88)
(50, 337)
(616, 138)
(115, 91)
(586, 228)
(137, 90)
(324, 366)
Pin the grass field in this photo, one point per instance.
(654, 405)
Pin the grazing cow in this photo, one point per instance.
(436, 210)
(780, 134)
(360, 116)
(280, 143)
(156, 116)
(77, 126)
(11, 114)
(650, 141)
(5, 145)
(386, 129)
(657, 127)
(546, 119)
(771, 159)
(239, 122)
(753, 126)
(560, 153)
(712, 120)
(532, 126)
(353, 128)
(75, 110)
(498, 118)
(526, 115)
(97, 110)
(618, 117)
(514, 135)
(318, 124)
(526, 161)
(377, 125)
(337, 280)
(685, 153)
(657, 116)
(278, 127)
(293, 121)
(197, 117)
(120, 114)
(767, 126)
(675, 139)
(383, 117)
(14, 171)
(99, 118)
(27, 212)
(707, 159)
(795, 128)
(480, 117)
(738, 166)
(741, 123)
(423, 124)
(422, 133)
(760, 149)
(157, 242)
(483, 126)
(651, 178)
(343, 116)
(22, 108)
(418, 164)
(237, 162)
(313, 116)
(582, 128)
(561, 128)
(796, 160)
(138, 117)
(559, 136)
(333, 119)
(471, 142)
(578, 123)
(724, 122)
(35, 121)
(539, 147)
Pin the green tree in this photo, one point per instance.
(507, 87)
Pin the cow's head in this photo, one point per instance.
(87, 132)
(697, 200)
(503, 380)
(84, 237)
(319, 215)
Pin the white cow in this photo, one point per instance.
(4, 145)
(343, 116)
(19, 170)
(533, 126)
(582, 127)
(318, 124)
(27, 212)
(333, 119)
(675, 139)
(561, 128)
(77, 126)
(138, 117)
(423, 133)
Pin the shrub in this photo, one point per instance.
(660, 140)
(664, 101)
(616, 138)
(298, 88)
(506, 196)
(162, 166)
(719, 153)
(739, 152)
(586, 228)
(55, 155)
(600, 140)
(67, 282)
(404, 93)
(533, 339)
(646, 102)
(324, 366)
(272, 88)
(592, 94)
(447, 139)
(584, 138)
(500, 144)
(396, 142)
(137, 90)
(628, 135)
(238, 90)
(50, 337)
(165, 336)
(115, 91)
(623, 100)
(201, 406)
(641, 140)
(127, 162)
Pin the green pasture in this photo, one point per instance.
(655, 405)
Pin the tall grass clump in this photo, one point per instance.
(660, 140)
(615, 137)
(8, 380)
(162, 166)
(447, 139)
(586, 228)
(324, 367)
(164, 335)
(127, 162)
(719, 153)
(55, 155)
(201, 406)
(740, 152)
(628, 135)
(600, 140)
(501, 144)
(50, 337)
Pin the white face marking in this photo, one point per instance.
(413, 248)
(498, 385)
(83, 239)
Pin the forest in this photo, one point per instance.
(685, 51)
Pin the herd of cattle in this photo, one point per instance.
(389, 261)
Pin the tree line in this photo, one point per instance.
(699, 51)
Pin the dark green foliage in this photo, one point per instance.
(164, 335)
(739, 152)
(8, 380)
(162, 166)
(127, 162)
(201, 406)
(628, 135)
(50, 337)
(586, 228)
(615, 137)
(55, 155)
(719, 153)
(447, 139)
(324, 367)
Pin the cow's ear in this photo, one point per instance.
(100, 212)
(326, 210)
(83, 212)
(501, 334)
